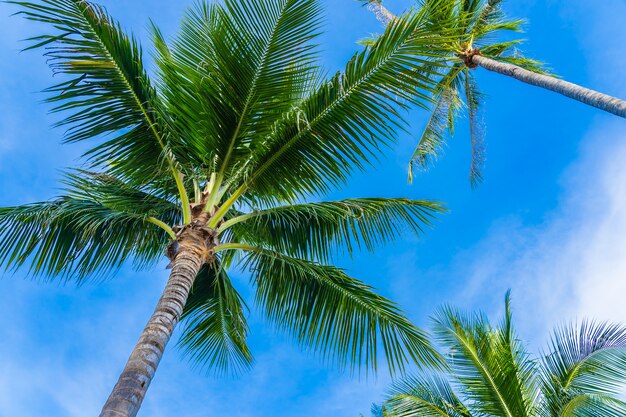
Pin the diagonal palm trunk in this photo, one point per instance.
(584, 95)
(383, 15)
(131, 387)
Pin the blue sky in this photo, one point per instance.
(549, 222)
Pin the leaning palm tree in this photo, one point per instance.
(477, 25)
(492, 374)
(213, 160)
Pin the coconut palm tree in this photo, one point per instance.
(216, 159)
(477, 25)
(492, 374)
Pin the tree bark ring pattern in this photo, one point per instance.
(132, 385)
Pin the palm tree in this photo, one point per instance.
(216, 158)
(492, 374)
(476, 24)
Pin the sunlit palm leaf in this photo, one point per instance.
(345, 122)
(495, 373)
(106, 92)
(593, 405)
(491, 374)
(337, 315)
(424, 396)
(589, 359)
(258, 56)
(316, 230)
(216, 328)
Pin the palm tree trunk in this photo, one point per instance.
(383, 15)
(131, 387)
(576, 92)
(584, 95)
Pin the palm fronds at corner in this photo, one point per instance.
(492, 374)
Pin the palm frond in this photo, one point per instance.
(348, 119)
(493, 370)
(593, 405)
(424, 396)
(317, 230)
(475, 24)
(113, 193)
(106, 91)
(378, 411)
(337, 315)
(586, 359)
(232, 66)
(75, 239)
(477, 134)
(100, 223)
(443, 116)
(216, 328)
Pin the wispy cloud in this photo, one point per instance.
(571, 265)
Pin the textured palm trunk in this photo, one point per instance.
(383, 15)
(131, 387)
(576, 92)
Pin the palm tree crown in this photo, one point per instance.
(477, 27)
(213, 158)
(492, 374)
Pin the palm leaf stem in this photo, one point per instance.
(221, 212)
(234, 221)
(162, 225)
(231, 246)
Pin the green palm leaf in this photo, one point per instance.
(593, 405)
(115, 194)
(473, 100)
(258, 56)
(107, 91)
(216, 328)
(315, 230)
(443, 115)
(91, 231)
(345, 121)
(424, 396)
(75, 239)
(338, 316)
(492, 367)
(585, 360)
(378, 411)
(490, 373)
